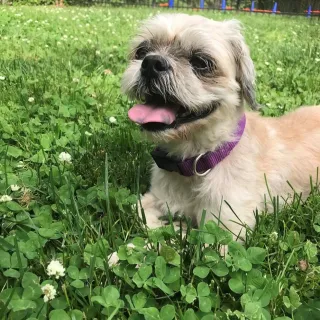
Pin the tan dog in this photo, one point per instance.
(193, 76)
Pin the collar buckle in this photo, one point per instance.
(195, 162)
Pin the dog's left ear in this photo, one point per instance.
(245, 67)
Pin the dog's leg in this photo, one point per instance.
(152, 212)
(155, 216)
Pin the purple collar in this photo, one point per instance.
(201, 164)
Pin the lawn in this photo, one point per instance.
(72, 168)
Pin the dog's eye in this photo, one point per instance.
(141, 53)
(201, 64)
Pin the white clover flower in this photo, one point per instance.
(274, 236)
(58, 43)
(113, 259)
(279, 69)
(76, 80)
(107, 72)
(26, 190)
(317, 59)
(88, 133)
(98, 53)
(65, 157)
(266, 63)
(110, 55)
(5, 198)
(130, 247)
(31, 99)
(112, 120)
(49, 292)
(14, 187)
(20, 164)
(2, 78)
(55, 268)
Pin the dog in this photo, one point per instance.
(192, 77)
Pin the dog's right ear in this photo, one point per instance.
(245, 67)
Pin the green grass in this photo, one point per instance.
(56, 96)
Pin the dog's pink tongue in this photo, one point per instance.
(143, 113)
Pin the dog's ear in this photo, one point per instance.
(245, 67)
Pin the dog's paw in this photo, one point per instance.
(148, 211)
(180, 227)
(153, 221)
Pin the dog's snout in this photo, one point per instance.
(153, 65)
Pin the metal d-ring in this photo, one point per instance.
(195, 167)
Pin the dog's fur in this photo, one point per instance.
(282, 149)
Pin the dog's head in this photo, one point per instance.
(186, 70)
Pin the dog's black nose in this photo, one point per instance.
(152, 66)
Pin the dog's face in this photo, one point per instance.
(187, 70)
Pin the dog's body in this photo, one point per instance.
(277, 149)
(207, 80)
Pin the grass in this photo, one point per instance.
(60, 71)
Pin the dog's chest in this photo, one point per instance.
(191, 195)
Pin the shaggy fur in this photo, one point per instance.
(284, 149)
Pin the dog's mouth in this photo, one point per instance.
(158, 115)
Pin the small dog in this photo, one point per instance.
(192, 76)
